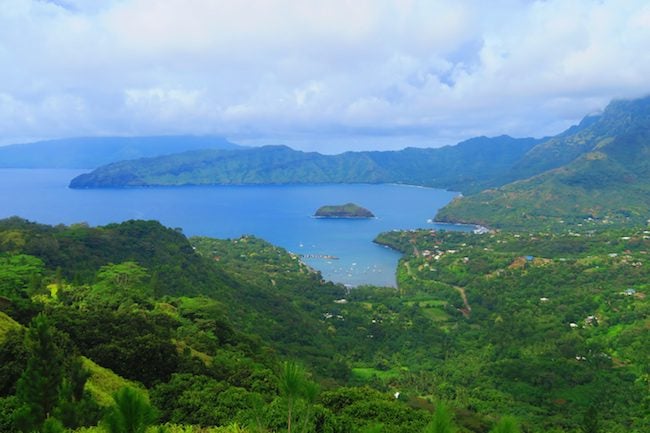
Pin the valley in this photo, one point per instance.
(324, 216)
(538, 320)
(547, 322)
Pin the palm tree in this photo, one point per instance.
(506, 424)
(442, 421)
(309, 393)
(291, 381)
(131, 413)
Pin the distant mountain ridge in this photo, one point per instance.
(596, 172)
(469, 166)
(620, 117)
(91, 152)
(599, 173)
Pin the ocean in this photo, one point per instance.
(342, 249)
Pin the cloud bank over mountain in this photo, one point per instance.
(322, 75)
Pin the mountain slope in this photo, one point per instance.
(619, 118)
(7, 324)
(544, 323)
(268, 299)
(608, 183)
(92, 152)
(468, 165)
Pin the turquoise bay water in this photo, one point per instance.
(280, 214)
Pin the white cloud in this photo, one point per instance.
(319, 73)
(163, 102)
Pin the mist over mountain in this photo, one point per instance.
(90, 152)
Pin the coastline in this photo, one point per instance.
(478, 228)
(242, 184)
(343, 217)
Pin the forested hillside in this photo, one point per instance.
(467, 166)
(553, 326)
(239, 335)
(595, 175)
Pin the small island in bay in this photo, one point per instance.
(348, 210)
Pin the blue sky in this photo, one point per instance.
(329, 75)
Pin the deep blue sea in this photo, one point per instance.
(279, 214)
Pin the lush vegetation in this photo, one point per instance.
(133, 327)
(598, 175)
(544, 325)
(470, 165)
(348, 210)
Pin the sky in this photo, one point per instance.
(323, 75)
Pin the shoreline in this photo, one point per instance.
(237, 184)
(478, 228)
(343, 217)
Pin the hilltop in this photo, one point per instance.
(468, 166)
(597, 173)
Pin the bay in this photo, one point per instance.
(342, 249)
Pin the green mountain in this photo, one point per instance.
(90, 152)
(598, 173)
(536, 326)
(619, 118)
(248, 302)
(470, 165)
(348, 210)
(593, 173)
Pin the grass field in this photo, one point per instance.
(6, 325)
(103, 383)
(431, 308)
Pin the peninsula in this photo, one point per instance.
(348, 210)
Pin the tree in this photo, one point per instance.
(8, 408)
(78, 377)
(295, 386)
(590, 420)
(131, 413)
(291, 382)
(77, 408)
(124, 276)
(13, 360)
(39, 387)
(19, 274)
(309, 393)
(506, 424)
(442, 421)
(123, 283)
(52, 425)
